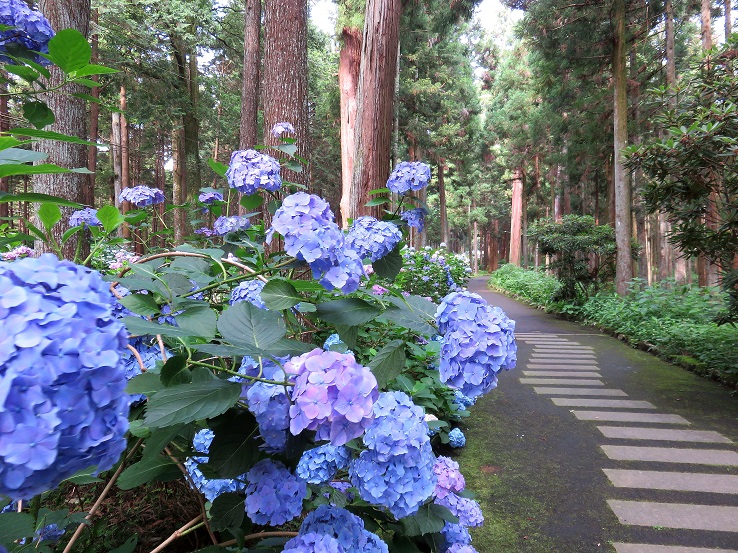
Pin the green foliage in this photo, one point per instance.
(432, 273)
(583, 253)
(534, 286)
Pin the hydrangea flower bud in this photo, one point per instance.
(210, 197)
(31, 32)
(223, 225)
(456, 438)
(86, 216)
(415, 218)
(372, 238)
(63, 405)
(250, 170)
(141, 195)
(250, 291)
(409, 175)
(280, 128)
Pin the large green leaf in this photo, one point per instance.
(175, 371)
(347, 311)
(159, 469)
(110, 217)
(247, 325)
(128, 546)
(227, 511)
(15, 526)
(19, 155)
(15, 169)
(218, 167)
(158, 440)
(234, 450)
(35, 197)
(414, 313)
(198, 321)
(429, 519)
(38, 114)
(389, 266)
(190, 402)
(139, 327)
(51, 135)
(250, 203)
(49, 214)
(141, 304)
(389, 362)
(279, 294)
(146, 383)
(93, 69)
(69, 50)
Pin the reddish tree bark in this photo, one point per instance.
(516, 218)
(373, 139)
(349, 64)
(442, 202)
(250, 85)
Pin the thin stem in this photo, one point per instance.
(234, 373)
(137, 355)
(259, 535)
(191, 525)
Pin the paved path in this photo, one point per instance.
(631, 455)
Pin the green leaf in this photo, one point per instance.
(14, 169)
(379, 191)
(289, 149)
(36, 198)
(138, 429)
(158, 440)
(146, 383)
(128, 546)
(348, 335)
(190, 402)
(110, 217)
(377, 201)
(93, 69)
(233, 450)
(141, 304)
(347, 311)
(389, 266)
(389, 362)
(87, 97)
(279, 294)
(307, 286)
(49, 215)
(198, 321)
(159, 469)
(19, 155)
(69, 50)
(141, 327)
(246, 324)
(429, 519)
(218, 167)
(252, 203)
(69, 233)
(227, 511)
(413, 312)
(15, 526)
(51, 135)
(38, 114)
(84, 476)
(175, 371)
(15, 238)
(23, 71)
(287, 346)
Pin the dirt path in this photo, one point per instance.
(589, 446)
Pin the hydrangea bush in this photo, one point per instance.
(432, 273)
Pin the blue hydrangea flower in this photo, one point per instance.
(332, 340)
(150, 354)
(313, 543)
(223, 225)
(455, 534)
(250, 291)
(372, 238)
(280, 128)
(86, 216)
(209, 487)
(31, 33)
(456, 438)
(310, 234)
(332, 395)
(464, 402)
(51, 533)
(409, 175)
(273, 494)
(63, 405)
(265, 368)
(205, 231)
(415, 218)
(210, 197)
(271, 407)
(320, 464)
(448, 477)
(142, 195)
(250, 170)
(396, 469)
(461, 548)
(344, 527)
(466, 510)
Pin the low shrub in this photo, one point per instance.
(432, 273)
(534, 286)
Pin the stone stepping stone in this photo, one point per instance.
(557, 367)
(716, 518)
(633, 433)
(647, 548)
(568, 381)
(563, 348)
(580, 391)
(566, 374)
(671, 455)
(564, 354)
(615, 403)
(674, 481)
(624, 416)
(559, 359)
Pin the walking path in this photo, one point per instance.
(662, 461)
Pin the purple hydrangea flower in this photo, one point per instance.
(63, 405)
(273, 494)
(461, 548)
(409, 175)
(396, 470)
(205, 231)
(320, 464)
(31, 33)
(250, 291)
(466, 510)
(223, 225)
(415, 218)
(209, 487)
(280, 128)
(17, 253)
(372, 238)
(141, 195)
(333, 395)
(344, 527)
(210, 197)
(449, 477)
(86, 216)
(378, 290)
(456, 438)
(250, 170)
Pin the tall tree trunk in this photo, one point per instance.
(494, 247)
(524, 222)
(125, 143)
(373, 139)
(728, 13)
(179, 184)
(706, 24)
(4, 126)
(284, 78)
(115, 155)
(249, 128)
(186, 63)
(94, 120)
(442, 203)
(349, 63)
(71, 119)
(516, 216)
(623, 263)
(475, 243)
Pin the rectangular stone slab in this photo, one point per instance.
(580, 391)
(563, 381)
(563, 355)
(672, 435)
(563, 360)
(624, 416)
(722, 457)
(716, 518)
(562, 367)
(565, 374)
(616, 403)
(677, 481)
(648, 548)
(563, 349)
